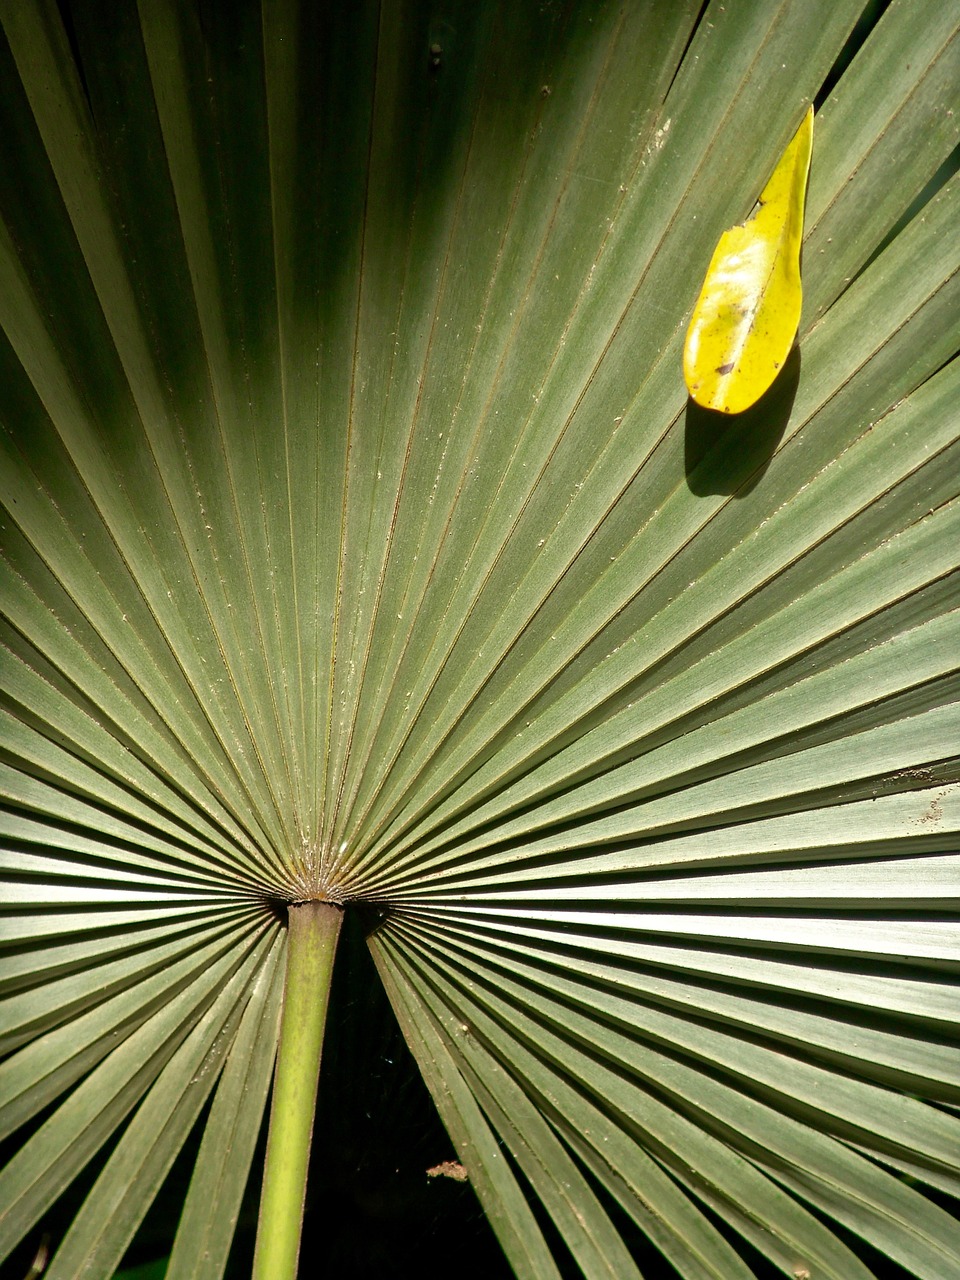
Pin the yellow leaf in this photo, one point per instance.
(748, 311)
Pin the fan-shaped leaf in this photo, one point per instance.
(360, 544)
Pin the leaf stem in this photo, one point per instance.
(311, 945)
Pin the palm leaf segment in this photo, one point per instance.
(358, 544)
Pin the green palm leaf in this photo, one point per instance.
(360, 546)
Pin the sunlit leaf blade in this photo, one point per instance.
(875, 1204)
(50, 1062)
(123, 1192)
(683, 1235)
(61, 1147)
(880, 136)
(359, 542)
(212, 1205)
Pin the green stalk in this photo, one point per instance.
(313, 931)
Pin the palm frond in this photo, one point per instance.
(360, 544)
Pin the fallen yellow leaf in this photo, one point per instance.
(746, 317)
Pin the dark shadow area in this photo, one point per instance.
(729, 453)
(373, 1212)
